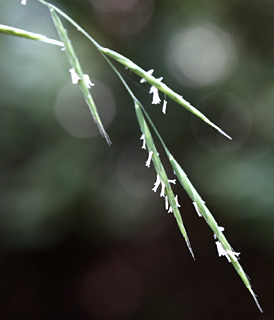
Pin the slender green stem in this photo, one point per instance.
(159, 168)
(187, 185)
(161, 86)
(139, 71)
(142, 116)
(28, 35)
(210, 220)
(76, 67)
(72, 22)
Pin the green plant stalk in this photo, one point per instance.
(28, 35)
(161, 172)
(182, 177)
(159, 168)
(161, 86)
(155, 158)
(186, 184)
(73, 23)
(139, 71)
(193, 194)
(75, 64)
(207, 215)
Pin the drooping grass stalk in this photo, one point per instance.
(204, 212)
(72, 22)
(159, 168)
(28, 35)
(161, 86)
(76, 67)
(171, 203)
(199, 204)
(139, 71)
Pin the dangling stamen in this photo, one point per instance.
(149, 159)
(144, 141)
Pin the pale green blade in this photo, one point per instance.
(162, 174)
(75, 64)
(28, 35)
(161, 86)
(196, 198)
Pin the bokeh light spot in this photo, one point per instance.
(73, 114)
(201, 55)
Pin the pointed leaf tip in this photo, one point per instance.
(256, 301)
(224, 134)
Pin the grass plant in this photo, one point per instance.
(147, 128)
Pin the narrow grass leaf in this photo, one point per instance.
(75, 64)
(28, 35)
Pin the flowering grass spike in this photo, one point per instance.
(171, 203)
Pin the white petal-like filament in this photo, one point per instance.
(74, 76)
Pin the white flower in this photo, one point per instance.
(176, 200)
(87, 81)
(166, 202)
(221, 250)
(162, 194)
(149, 159)
(164, 107)
(74, 76)
(24, 2)
(233, 255)
(172, 181)
(157, 183)
(144, 141)
(170, 210)
(155, 99)
(197, 209)
(221, 229)
(149, 73)
(227, 253)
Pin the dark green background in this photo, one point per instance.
(82, 234)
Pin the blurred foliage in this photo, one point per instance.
(58, 176)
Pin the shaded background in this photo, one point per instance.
(82, 234)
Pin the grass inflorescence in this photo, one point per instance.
(147, 127)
